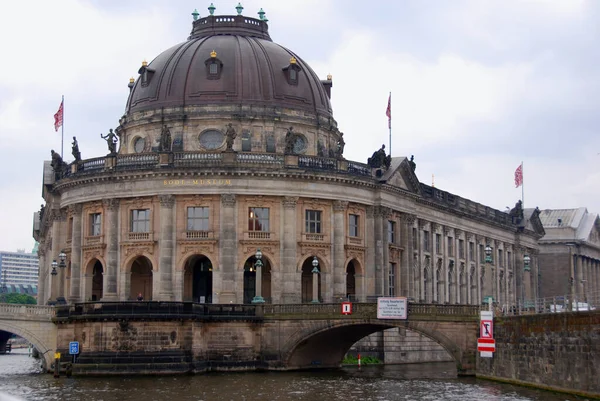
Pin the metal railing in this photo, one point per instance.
(557, 304)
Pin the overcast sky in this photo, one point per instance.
(477, 87)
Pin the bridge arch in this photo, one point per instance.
(45, 347)
(324, 345)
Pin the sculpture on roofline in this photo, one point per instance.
(380, 159)
(111, 141)
(290, 141)
(75, 150)
(165, 140)
(230, 136)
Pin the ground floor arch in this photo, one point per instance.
(308, 275)
(141, 279)
(198, 279)
(94, 281)
(250, 273)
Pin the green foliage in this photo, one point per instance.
(17, 299)
(365, 360)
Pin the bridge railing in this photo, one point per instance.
(366, 310)
(156, 310)
(26, 310)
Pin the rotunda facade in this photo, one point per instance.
(230, 186)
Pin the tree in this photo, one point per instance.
(14, 298)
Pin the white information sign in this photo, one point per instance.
(392, 308)
(486, 354)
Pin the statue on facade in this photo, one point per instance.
(516, 213)
(111, 141)
(320, 149)
(230, 136)
(379, 159)
(75, 150)
(290, 141)
(42, 209)
(412, 163)
(340, 146)
(165, 140)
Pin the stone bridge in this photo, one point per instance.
(33, 323)
(169, 337)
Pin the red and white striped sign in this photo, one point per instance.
(486, 344)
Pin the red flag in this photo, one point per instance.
(388, 112)
(58, 117)
(519, 176)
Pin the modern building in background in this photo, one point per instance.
(570, 255)
(19, 272)
(226, 182)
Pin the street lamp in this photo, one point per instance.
(258, 299)
(489, 299)
(62, 257)
(488, 254)
(315, 272)
(54, 265)
(526, 261)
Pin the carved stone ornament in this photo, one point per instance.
(434, 226)
(139, 249)
(166, 201)
(75, 209)
(457, 232)
(382, 211)
(448, 231)
(111, 204)
(228, 200)
(290, 202)
(422, 223)
(470, 237)
(340, 206)
(370, 211)
(408, 218)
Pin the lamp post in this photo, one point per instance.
(62, 257)
(315, 283)
(258, 299)
(488, 261)
(526, 279)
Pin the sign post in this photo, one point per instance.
(392, 308)
(74, 349)
(486, 344)
(346, 308)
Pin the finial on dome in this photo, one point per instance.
(213, 54)
(195, 14)
(293, 60)
(131, 80)
(211, 8)
(144, 63)
(239, 8)
(329, 77)
(261, 14)
(131, 83)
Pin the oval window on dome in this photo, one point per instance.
(139, 144)
(300, 144)
(212, 139)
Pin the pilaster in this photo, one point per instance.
(165, 249)
(228, 256)
(111, 208)
(287, 287)
(339, 276)
(76, 238)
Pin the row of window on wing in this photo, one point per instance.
(214, 67)
(198, 220)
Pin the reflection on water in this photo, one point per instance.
(19, 376)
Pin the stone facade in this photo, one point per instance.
(570, 256)
(183, 221)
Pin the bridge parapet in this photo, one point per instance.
(369, 311)
(27, 312)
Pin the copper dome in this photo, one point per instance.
(252, 70)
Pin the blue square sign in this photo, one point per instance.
(74, 347)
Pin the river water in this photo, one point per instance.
(20, 376)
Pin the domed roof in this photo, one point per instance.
(249, 69)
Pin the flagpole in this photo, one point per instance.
(62, 125)
(390, 125)
(522, 187)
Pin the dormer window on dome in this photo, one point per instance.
(145, 73)
(214, 66)
(291, 71)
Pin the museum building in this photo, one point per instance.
(229, 185)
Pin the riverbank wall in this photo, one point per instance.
(553, 351)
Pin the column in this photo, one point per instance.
(111, 270)
(289, 282)
(55, 246)
(527, 282)
(379, 282)
(43, 272)
(75, 295)
(385, 214)
(369, 268)
(578, 277)
(339, 253)
(228, 252)
(165, 248)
